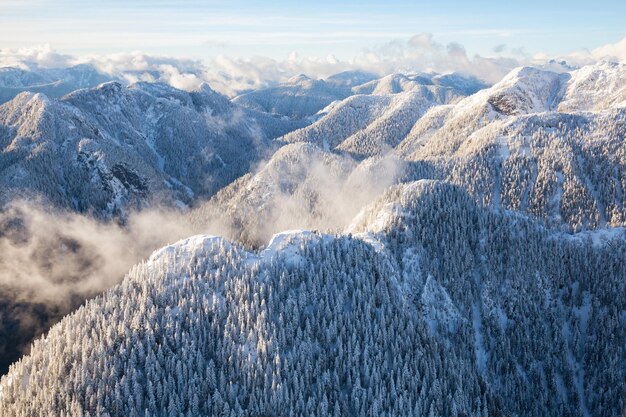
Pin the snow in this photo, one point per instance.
(387, 214)
(440, 313)
(597, 87)
(286, 244)
(555, 201)
(503, 320)
(479, 348)
(598, 237)
(560, 386)
(188, 247)
(503, 148)
(370, 238)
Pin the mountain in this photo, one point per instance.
(302, 96)
(427, 304)
(301, 186)
(53, 82)
(488, 289)
(436, 87)
(106, 153)
(382, 114)
(534, 143)
(351, 78)
(109, 148)
(537, 142)
(297, 98)
(566, 169)
(596, 88)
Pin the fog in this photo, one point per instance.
(50, 262)
(302, 187)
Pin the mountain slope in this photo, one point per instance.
(596, 88)
(301, 96)
(301, 186)
(425, 310)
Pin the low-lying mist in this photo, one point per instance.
(50, 262)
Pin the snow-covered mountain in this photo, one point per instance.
(532, 143)
(302, 96)
(596, 88)
(430, 305)
(382, 112)
(567, 169)
(301, 186)
(53, 82)
(298, 97)
(104, 149)
(537, 142)
(489, 288)
(436, 87)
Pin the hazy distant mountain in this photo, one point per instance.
(432, 305)
(53, 82)
(436, 87)
(302, 96)
(351, 78)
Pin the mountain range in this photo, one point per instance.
(426, 304)
(412, 244)
(111, 147)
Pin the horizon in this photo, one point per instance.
(245, 45)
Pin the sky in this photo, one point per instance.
(238, 45)
(276, 29)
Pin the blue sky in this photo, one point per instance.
(274, 29)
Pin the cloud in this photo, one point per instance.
(613, 51)
(610, 52)
(50, 262)
(43, 56)
(423, 40)
(423, 53)
(233, 75)
(50, 257)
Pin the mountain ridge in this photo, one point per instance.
(458, 296)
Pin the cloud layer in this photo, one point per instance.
(232, 75)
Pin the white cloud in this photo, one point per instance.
(613, 51)
(43, 56)
(421, 52)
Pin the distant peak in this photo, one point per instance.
(298, 79)
(110, 86)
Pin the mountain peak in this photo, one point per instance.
(300, 79)
(527, 90)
